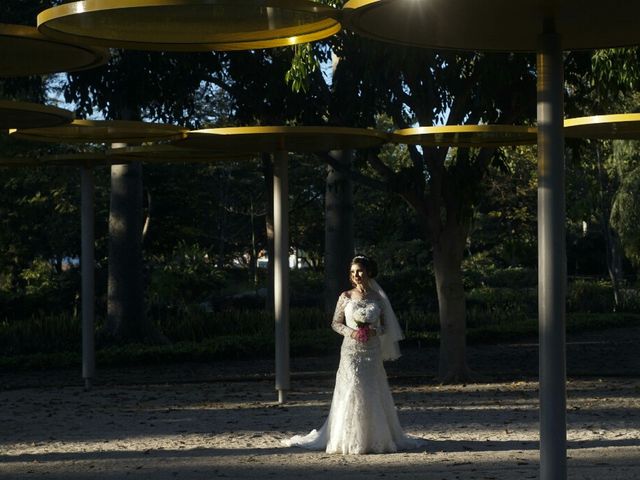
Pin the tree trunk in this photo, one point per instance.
(447, 265)
(126, 319)
(267, 168)
(253, 257)
(338, 204)
(221, 219)
(614, 260)
(612, 241)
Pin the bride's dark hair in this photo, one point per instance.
(368, 263)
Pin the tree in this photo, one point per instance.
(602, 82)
(504, 220)
(133, 86)
(624, 217)
(255, 83)
(339, 229)
(440, 184)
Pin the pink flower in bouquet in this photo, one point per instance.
(363, 333)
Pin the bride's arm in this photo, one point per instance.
(338, 322)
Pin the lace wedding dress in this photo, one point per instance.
(363, 417)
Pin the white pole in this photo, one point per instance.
(281, 272)
(87, 265)
(552, 261)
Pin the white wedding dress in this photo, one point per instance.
(363, 417)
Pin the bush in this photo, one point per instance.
(481, 270)
(486, 305)
(306, 288)
(592, 296)
(304, 341)
(476, 268)
(417, 321)
(629, 300)
(411, 289)
(188, 277)
(513, 277)
(41, 333)
(38, 290)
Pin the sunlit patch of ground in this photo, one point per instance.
(233, 430)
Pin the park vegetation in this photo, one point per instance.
(454, 230)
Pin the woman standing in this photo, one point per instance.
(363, 417)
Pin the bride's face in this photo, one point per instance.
(359, 275)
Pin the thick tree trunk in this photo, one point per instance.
(338, 205)
(447, 264)
(126, 319)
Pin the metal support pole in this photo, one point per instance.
(552, 261)
(281, 272)
(87, 264)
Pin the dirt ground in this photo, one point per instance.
(221, 420)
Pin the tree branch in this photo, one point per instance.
(353, 174)
(459, 106)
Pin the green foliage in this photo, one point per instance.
(135, 84)
(255, 80)
(302, 65)
(504, 221)
(306, 212)
(513, 277)
(205, 217)
(614, 70)
(39, 278)
(226, 221)
(596, 296)
(590, 296)
(418, 323)
(188, 276)
(482, 270)
(487, 306)
(223, 334)
(43, 333)
(305, 287)
(411, 288)
(305, 341)
(625, 216)
(181, 290)
(629, 301)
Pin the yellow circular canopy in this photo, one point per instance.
(283, 138)
(495, 25)
(103, 131)
(31, 115)
(25, 51)
(172, 154)
(624, 126)
(467, 136)
(190, 25)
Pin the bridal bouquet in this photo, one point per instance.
(360, 318)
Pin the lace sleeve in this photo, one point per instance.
(338, 322)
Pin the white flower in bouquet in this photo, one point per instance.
(360, 314)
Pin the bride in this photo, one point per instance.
(363, 417)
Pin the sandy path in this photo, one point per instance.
(220, 419)
(233, 430)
